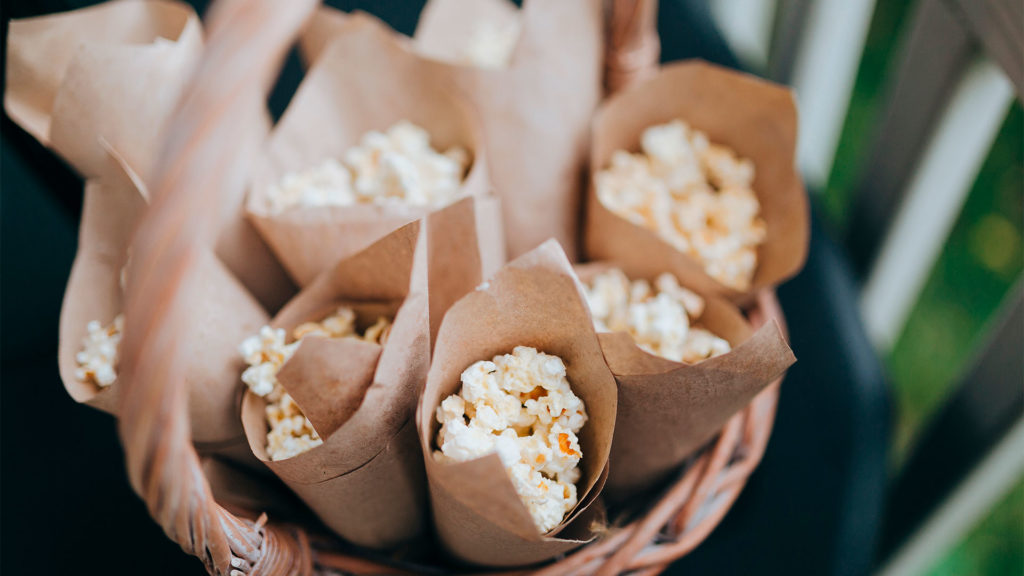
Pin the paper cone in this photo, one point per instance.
(755, 118)
(223, 310)
(533, 301)
(364, 81)
(366, 480)
(667, 410)
(535, 113)
(109, 77)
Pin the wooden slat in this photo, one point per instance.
(787, 31)
(935, 195)
(823, 77)
(933, 60)
(972, 451)
(999, 27)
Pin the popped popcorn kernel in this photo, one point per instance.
(521, 407)
(97, 360)
(398, 165)
(291, 433)
(694, 194)
(659, 322)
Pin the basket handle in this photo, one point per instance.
(246, 40)
(633, 47)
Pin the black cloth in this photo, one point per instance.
(812, 507)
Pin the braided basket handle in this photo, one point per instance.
(246, 41)
(632, 48)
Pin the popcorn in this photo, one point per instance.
(660, 322)
(97, 360)
(490, 45)
(396, 166)
(521, 407)
(291, 433)
(695, 195)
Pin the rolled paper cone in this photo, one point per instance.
(535, 113)
(755, 118)
(364, 81)
(667, 410)
(112, 72)
(250, 494)
(366, 481)
(223, 311)
(107, 78)
(533, 301)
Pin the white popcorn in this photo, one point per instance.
(97, 360)
(490, 45)
(695, 195)
(291, 433)
(396, 166)
(519, 406)
(660, 322)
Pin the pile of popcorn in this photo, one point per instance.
(659, 319)
(394, 166)
(291, 433)
(695, 195)
(521, 407)
(97, 360)
(490, 45)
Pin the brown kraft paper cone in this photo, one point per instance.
(110, 76)
(667, 410)
(533, 301)
(366, 480)
(224, 312)
(535, 113)
(364, 81)
(755, 118)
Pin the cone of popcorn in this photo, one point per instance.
(684, 365)
(91, 321)
(692, 173)
(517, 416)
(110, 76)
(371, 141)
(534, 74)
(333, 380)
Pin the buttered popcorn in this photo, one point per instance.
(398, 165)
(520, 406)
(659, 319)
(291, 433)
(695, 195)
(97, 361)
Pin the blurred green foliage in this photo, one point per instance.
(978, 267)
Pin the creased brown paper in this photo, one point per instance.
(223, 310)
(535, 113)
(533, 301)
(667, 409)
(366, 480)
(755, 118)
(109, 76)
(364, 81)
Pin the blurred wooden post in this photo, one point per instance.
(969, 456)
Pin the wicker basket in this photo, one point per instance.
(246, 41)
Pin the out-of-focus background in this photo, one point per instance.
(912, 139)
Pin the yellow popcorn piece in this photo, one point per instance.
(694, 194)
(658, 319)
(521, 407)
(398, 165)
(97, 360)
(291, 433)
